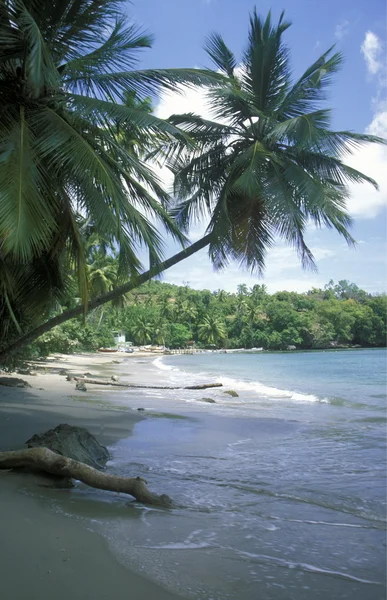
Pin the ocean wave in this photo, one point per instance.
(269, 391)
(158, 362)
(244, 386)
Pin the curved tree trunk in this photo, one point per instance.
(43, 459)
(100, 300)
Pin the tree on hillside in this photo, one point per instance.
(265, 166)
(142, 331)
(212, 330)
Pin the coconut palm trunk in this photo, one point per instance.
(104, 298)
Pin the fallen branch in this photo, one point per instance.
(202, 386)
(43, 459)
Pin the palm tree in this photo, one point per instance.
(159, 332)
(212, 330)
(242, 289)
(142, 331)
(265, 166)
(222, 296)
(270, 163)
(66, 76)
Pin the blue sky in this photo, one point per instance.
(358, 100)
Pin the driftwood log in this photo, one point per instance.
(43, 459)
(202, 386)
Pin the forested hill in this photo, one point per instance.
(160, 313)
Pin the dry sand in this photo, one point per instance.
(45, 555)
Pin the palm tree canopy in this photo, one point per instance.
(212, 330)
(67, 76)
(268, 163)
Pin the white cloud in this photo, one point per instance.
(342, 29)
(372, 49)
(365, 201)
(183, 100)
(378, 126)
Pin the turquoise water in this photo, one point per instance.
(280, 493)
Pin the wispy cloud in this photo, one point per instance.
(365, 201)
(372, 50)
(342, 29)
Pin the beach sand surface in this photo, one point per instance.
(43, 553)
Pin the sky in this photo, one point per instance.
(358, 99)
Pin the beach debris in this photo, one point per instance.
(74, 442)
(81, 386)
(43, 459)
(69, 377)
(231, 393)
(23, 371)
(209, 400)
(116, 362)
(63, 372)
(114, 378)
(14, 382)
(201, 386)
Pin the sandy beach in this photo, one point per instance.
(44, 554)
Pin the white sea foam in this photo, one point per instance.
(259, 388)
(269, 391)
(158, 362)
(179, 546)
(303, 567)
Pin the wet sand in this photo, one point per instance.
(44, 554)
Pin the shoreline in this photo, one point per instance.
(47, 554)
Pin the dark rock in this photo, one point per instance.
(80, 386)
(69, 377)
(63, 372)
(74, 442)
(209, 400)
(14, 382)
(141, 409)
(232, 393)
(114, 378)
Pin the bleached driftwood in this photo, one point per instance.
(43, 459)
(202, 386)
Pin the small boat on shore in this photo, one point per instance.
(107, 349)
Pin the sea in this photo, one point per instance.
(279, 490)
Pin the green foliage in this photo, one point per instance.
(269, 163)
(76, 134)
(75, 123)
(177, 317)
(73, 336)
(178, 335)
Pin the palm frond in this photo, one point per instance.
(220, 54)
(265, 62)
(306, 94)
